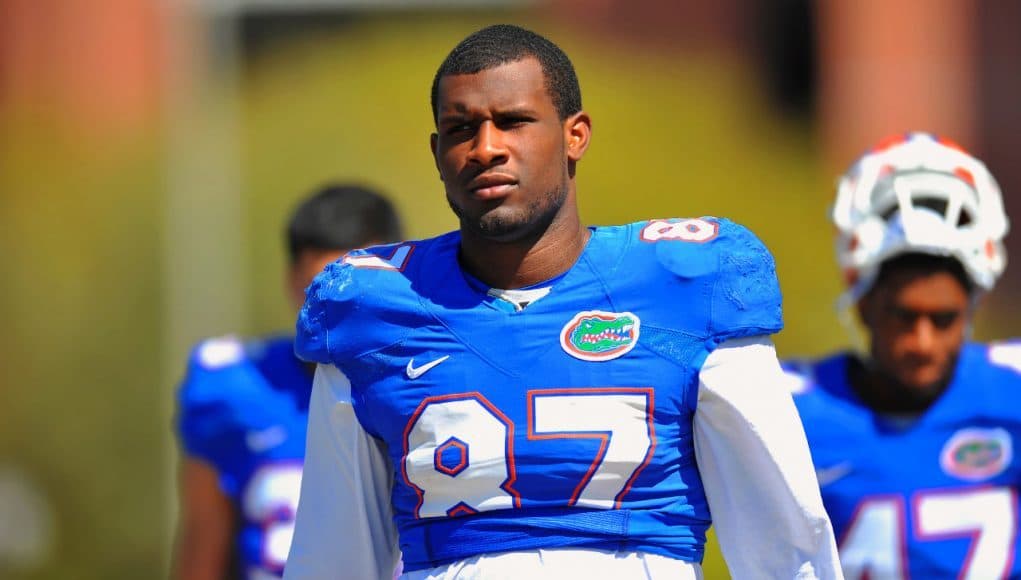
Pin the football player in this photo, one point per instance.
(243, 410)
(529, 397)
(913, 439)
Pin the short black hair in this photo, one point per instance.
(505, 43)
(341, 217)
(920, 262)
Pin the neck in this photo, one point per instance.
(509, 265)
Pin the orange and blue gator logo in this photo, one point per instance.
(975, 454)
(594, 335)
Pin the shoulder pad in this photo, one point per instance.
(341, 303)
(207, 400)
(1006, 354)
(746, 295)
(732, 262)
(682, 244)
(219, 352)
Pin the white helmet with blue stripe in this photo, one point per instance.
(917, 193)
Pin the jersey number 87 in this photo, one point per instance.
(459, 449)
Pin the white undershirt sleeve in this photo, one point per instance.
(756, 468)
(344, 526)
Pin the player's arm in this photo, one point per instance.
(344, 526)
(755, 464)
(206, 524)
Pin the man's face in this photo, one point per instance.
(917, 321)
(502, 151)
(309, 264)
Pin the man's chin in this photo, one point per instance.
(502, 228)
(924, 384)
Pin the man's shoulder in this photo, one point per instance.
(362, 273)
(813, 378)
(221, 365)
(996, 366)
(1001, 354)
(723, 261)
(712, 278)
(219, 353)
(363, 297)
(703, 247)
(224, 393)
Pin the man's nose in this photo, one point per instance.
(923, 334)
(488, 147)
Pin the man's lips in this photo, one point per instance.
(491, 186)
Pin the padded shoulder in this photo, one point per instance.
(210, 361)
(733, 265)
(219, 383)
(1006, 354)
(349, 305)
(746, 295)
(331, 292)
(995, 366)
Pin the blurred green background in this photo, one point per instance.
(122, 248)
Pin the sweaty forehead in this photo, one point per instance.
(510, 86)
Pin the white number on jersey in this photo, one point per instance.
(478, 438)
(987, 515)
(623, 421)
(397, 260)
(271, 497)
(875, 543)
(687, 230)
(459, 449)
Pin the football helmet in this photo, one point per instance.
(918, 193)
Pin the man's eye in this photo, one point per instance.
(458, 128)
(944, 320)
(514, 121)
(904, 316)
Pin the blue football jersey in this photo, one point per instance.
(243, 408)
(935, 497)
(564, 424)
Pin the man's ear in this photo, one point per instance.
(577, 134)
(432, 146)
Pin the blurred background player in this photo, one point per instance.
(243, 409)
(913, 440)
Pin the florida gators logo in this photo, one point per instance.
(595, 335)
(976, 454)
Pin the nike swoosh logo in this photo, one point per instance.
(415, 372)
(829, 475)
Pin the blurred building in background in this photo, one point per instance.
(148, 146)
